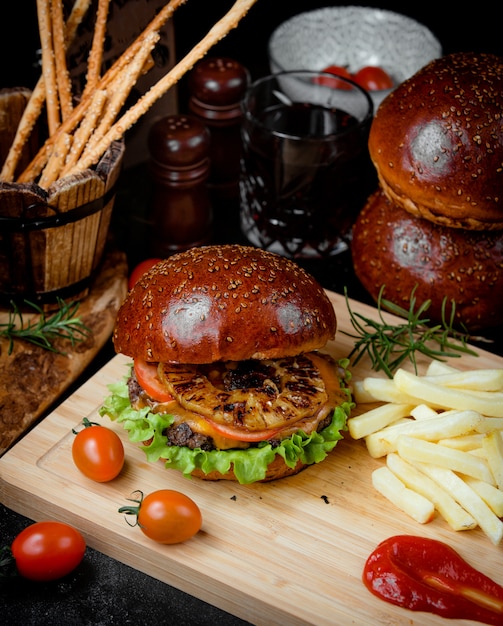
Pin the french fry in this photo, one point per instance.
(450, 425)
(473, 380)
(414, 449)
(440, 367)
(449, 448)
(491, 495)
(488, 424)
(360, 395)
(463, 442)
(454, 514)
(491, 525)
(423, 411)
(377, 419)
(492, 445)
(488, 403)
(414, 504)
(385, 390)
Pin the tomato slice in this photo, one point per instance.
(146, 373)
(242, 435)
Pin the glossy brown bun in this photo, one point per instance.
(275, 470)
(392, 247)
(436, 142)
(228, 303)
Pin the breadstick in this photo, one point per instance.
(48, 64)
(62, 76)
(127, 81)
(96, 54)
(35, 104)
(85, 130)
(56, 161)
(217, 32)
(40, 159)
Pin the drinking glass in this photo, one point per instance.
(305, 169)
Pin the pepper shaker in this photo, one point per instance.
(181, 211)
(216, 87)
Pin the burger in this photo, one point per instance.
(228, 377)
(435, 225)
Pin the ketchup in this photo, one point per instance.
(427, 575)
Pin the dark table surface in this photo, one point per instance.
(102, 591)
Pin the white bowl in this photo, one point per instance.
(353, 37)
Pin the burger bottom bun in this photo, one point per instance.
(438, 214)
(393, 248)
(275, 470)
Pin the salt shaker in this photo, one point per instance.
(180, 211)
(216, 87)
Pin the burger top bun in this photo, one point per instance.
(393, 248)
(436, 142)
(225, 303)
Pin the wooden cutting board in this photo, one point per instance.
(32, 379)
(287, 552)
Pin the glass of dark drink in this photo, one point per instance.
(305, 169)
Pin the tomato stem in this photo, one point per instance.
(86, 423)
(7, 563)
(132, 510)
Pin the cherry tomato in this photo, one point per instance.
(139, 270)
(98, 452)
(338, 70)
(146, 374)
(165, 516)
(373, 78)
(48, 550)
(234, 433)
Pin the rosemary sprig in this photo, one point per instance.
(389, 345)
(63, 324)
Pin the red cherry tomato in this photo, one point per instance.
(139, 270)
(338, 70)
(373, 78)
(234, 433)
(165, 516)
(146, 374)
(98, 452)
(48, 550)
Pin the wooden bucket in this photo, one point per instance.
(52, 242)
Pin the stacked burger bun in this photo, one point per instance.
(435, 224)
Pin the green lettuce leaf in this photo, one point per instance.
(249, 465)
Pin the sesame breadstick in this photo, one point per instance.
(217, 32)
(62, 75)
(40, 159)
(96, 54)
(48, 64)
(36, 101)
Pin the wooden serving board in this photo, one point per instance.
(287, 552)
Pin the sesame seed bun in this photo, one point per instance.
(436, 142)
(220, 303)
(392, 247)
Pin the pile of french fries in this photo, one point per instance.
(441, 435)
(83, 126)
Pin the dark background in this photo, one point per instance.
(469, 28)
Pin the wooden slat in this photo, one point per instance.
(287, 552)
